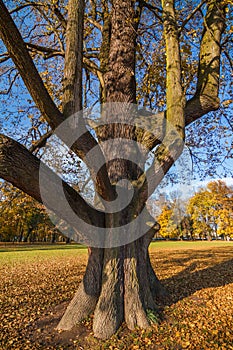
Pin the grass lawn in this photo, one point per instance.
(37, 283)
(15, 254)
(189, 245)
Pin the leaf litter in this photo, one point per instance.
(198, 314)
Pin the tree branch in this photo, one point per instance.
(4, 57)
(92, 67)
(229, 59)
(173, 141)
(206, 96)
(155, 10)
(44, 49)
(72, 96)
(19, 54)
(95, 23)
(72, 86)
(60, 16)
(53, 8)
(174, 92)
(21, 168)
(41, 142)
(192, 14)
(21, 7)
(6, 92)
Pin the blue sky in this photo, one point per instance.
(14, 121)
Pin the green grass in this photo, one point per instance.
(28, 252)
(6, 247)
(189, 245)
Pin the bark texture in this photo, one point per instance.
(72, 94)
(86, 297)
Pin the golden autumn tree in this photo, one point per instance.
(22, 217)
(98, 47)
(211, 210)
(168, 226)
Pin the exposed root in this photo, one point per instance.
(79, 308)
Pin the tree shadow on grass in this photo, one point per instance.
(194, 278)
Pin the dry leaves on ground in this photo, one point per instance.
(198, 315)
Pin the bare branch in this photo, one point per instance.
(19, 8)
(72, 96)
(19, 54)
(204, 101)
(6, 92)
(174, 93)
(60, 16)
(230, 60)
(55, 28)
(173, 141)
(92, 67)
(190, 16)
(41, 142)
(21, 168)
(47, 52)
(155, 10)
(95, 23)
(4, 57)
(44, 49)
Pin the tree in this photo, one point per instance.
(174, 224)
(167, 222)
(200, 208)
(211, 210)
(23, 218)
(119, 283)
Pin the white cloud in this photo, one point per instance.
(227, 180)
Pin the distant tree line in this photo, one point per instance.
(22, 219)
(208, 214)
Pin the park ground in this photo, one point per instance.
(37, 283)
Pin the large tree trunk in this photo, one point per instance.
(119, 285)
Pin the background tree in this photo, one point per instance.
(23, 218)
(168, 225)
(210, 210)
(125, 48)
(201, 209)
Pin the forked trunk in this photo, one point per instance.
(119, 285)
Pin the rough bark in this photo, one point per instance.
(109, 312)
(206, 97)
(126, 291)
(86, 297)
(72, 83)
